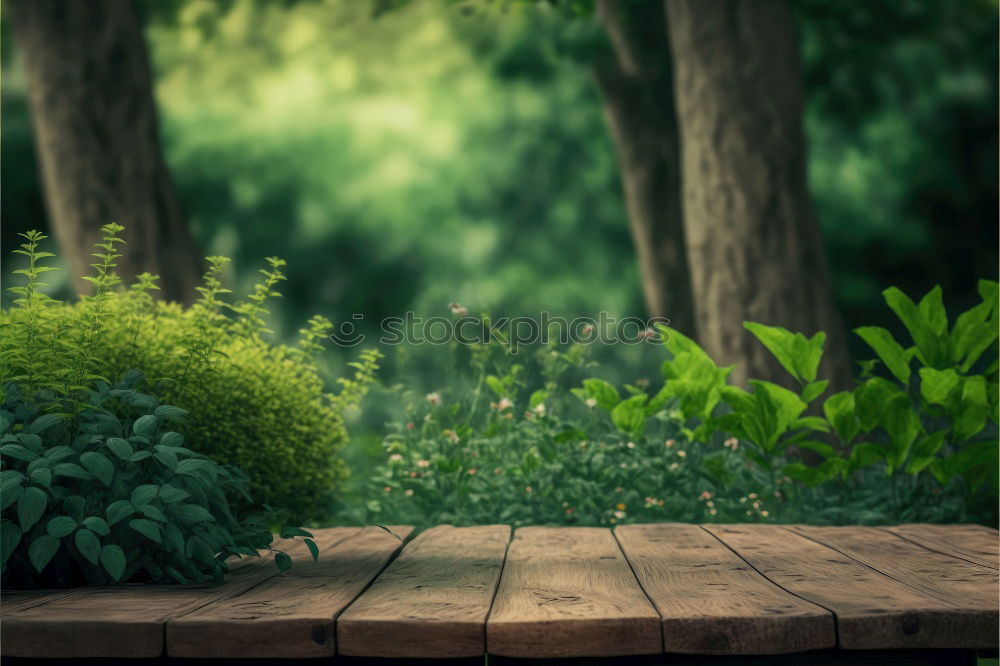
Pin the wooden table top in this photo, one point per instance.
(549, 592)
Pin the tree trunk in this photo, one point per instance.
(96, 134)
(754, 245)
(638, 101)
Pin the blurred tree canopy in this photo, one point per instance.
(441, 152)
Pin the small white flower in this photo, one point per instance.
(590, 402)
(409, 492)
(395, 458)
(434, 398)
(423, 463)
(674, 466)
(458, 310)
(681, 454)
(669, 443)
(505, 403)
(631, 445)
(539, 409)
(619, 514)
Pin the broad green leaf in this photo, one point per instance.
(99, 466)
(41, 551)
(972, 408)
(18, 452)
(42, 476)
(192, 513)
(896, 359)
(839, 411)
(44, 422)
(870, 399)
(537, 398)
(88, 544)
(169, 494)
(147, 528)
(936, 385)
(814, 390)
(73, 506)
(902, 425)
(150, 511)
(98, 525)
(781, 343)
(143, 494)
(30, 507)
(313, 549)
(496, 386)
(925, 451)
(10, 537)
(932, 308)
(171, 439)
(629, 415)
(58, 454)
(166, 413)
(191, 466)
(931, 347)
(119, 510)
(113, 561)
(120, 447)
(60, 526)
(71, 470)
(604, 393)
(145, 426)
(9, 480)
(821, 448)
(865, 454)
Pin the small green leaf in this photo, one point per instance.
(10, 537)
(896, 359)
(169, 494)
(169, 413)
(88, 544)
(283, 561)
(604, 393)
(113, 560)
(44, 422)
(151, 511)
(41, 551)
(60, 526)
(313, 549)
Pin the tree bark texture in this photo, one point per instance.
(754, 244)
(96, 134)
(637, 90)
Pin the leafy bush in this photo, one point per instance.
(111, 494)
(252, 403)
(698, 449)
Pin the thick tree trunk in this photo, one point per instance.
(96, 135)
(638, 101)
(754, 245)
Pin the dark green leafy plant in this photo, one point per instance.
(250, 402)
(111, 494)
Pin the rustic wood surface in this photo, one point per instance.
(712, 602)
(873, 610)
(128, 621)
(735, 590)
(433, 599)
(975, 543)
(290, 616)
(950, 579)
(568, 591)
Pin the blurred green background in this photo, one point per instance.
(402, 156)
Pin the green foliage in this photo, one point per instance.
(252, 403)
(110, 494)
(699, 449)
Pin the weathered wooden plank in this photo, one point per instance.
(873, 611)
(290, 616)
(975, 543)
(128, 621)
(569, 592)
(948, 578)
(712, 602)
(432, 601)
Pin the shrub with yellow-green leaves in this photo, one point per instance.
(252, 403)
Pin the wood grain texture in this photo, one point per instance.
(433, 600)
(873, 611)
(128, 621)
(948, 578)
(569, 592)
(712, 602)
(290, 616)
(975, 543)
